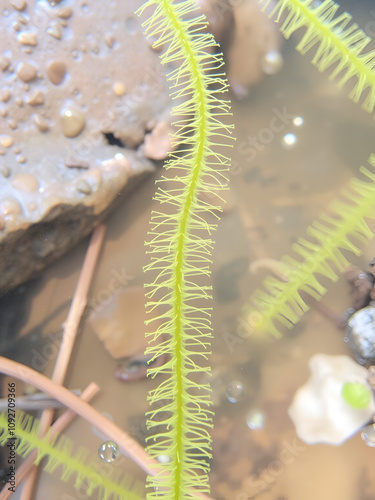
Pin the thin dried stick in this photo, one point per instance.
(69, 335)
(60, 424)
(126, 443)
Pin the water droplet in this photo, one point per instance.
(235, 391)
(255, 419)
(368, 435)
(164, 459)
(298, 121)
(272, 62)
(289, 141)
(108, 451)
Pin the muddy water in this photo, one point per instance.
(276, 193)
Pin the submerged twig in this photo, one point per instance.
(127, 444)
(69, 334)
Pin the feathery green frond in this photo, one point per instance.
(59, 452)
(180, 247)
(282, 303)
(339, 43)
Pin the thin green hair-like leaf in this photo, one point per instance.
(59, 452)
(338, 42)
(180, 247)
(281, 303)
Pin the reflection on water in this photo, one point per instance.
(296, 148)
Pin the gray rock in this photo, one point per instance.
(79, 87)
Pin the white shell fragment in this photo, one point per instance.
(319, 412)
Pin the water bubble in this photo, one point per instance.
(235, 391)
(272, 62)
(368, 435)
(255, 419)
(163, 459)
(108, 451)
(298, 121)
(289, 141)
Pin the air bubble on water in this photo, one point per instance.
(109, 451)
(235, 391)
(298, 121)
(163, 459)
(368, 435)
(255, 419)
(289, 141)
(272, 62)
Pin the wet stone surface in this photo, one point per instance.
(64, 85)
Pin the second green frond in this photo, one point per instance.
(76, 465)
(281, 303)
(338, 43)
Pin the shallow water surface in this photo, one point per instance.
(279, 185)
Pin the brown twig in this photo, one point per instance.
(127, 444)
(69, 335)
(60, 424)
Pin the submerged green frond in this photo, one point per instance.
(180, 247)
(339, 43)
(282, 303)
(59, 452)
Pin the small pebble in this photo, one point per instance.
(26, 71)
(6, 141)
(18, 4)
(109, 40)
(13, 124)
(10, 206)
(25, 182)
(40, 122)
(119, 88)
(109, 451)
(27, 37)
(55, 31)
(4, 63)
(36, 98)
(64, 12)
(4, 171)
(56, 72)
(235, 391)
(255, 419)
(21, 159)
(72, 122)
(4, 95)
(83, 187)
